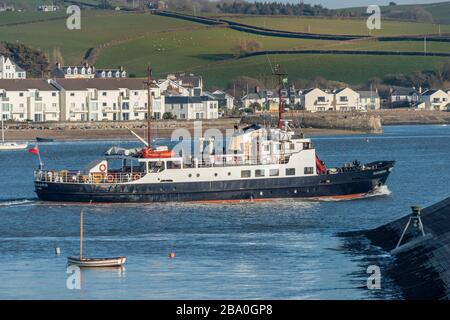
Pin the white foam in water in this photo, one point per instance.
(377, 192)
(18, 202)
(380, 191)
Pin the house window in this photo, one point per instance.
(104, 104)
(53, 94)
(290, 171)
(104, 93)
(259, 173)
(126, 116)
(309, 170)
(274, 172)
(20, 94)
(320, 99)
(136, 93)
(72, 94)
(136, 114)
(245, 174)
(343, 99)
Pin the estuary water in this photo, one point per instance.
(284, 249)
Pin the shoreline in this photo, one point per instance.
(124, 134)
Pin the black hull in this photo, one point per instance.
(342, 185)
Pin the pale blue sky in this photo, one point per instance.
(356, 3)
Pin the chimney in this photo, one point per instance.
(257, 89)
(58, 65)
(420, 89)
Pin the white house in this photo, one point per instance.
(226, 100)
(345, 99)
(29, 99)
(111, 73)
(115, 99)
(369, 100)
(404, 97)
(9, 70)
(86, 71)
(189, 108)
(170, 87)
(316, 100)
(435, 99)
(48, 8)
(192, 83)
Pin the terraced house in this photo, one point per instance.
(115, 99)
(29, 100)
(192, 108)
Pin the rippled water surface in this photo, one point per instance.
(285, 249)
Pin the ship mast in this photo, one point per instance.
(281, 78)
(149, 108)
(81, 234)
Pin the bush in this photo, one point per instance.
(168, 116)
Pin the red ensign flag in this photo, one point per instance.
(34, 150)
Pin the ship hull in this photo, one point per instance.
(341, 185)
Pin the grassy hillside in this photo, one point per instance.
(440, 11)
(346, 68)
(340, 26)
(170, 45)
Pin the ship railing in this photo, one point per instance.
(68, 176)
(226, 161)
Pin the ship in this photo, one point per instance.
(259, 163)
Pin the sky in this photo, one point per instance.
(358, 3)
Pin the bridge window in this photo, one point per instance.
(274, 172)
(290, 171)
(245, 174)
(309, 170)
(259, 173)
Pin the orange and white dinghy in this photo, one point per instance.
(84, 262)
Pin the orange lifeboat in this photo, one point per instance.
(160, 152)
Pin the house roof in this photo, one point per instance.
(103, 84)
(404, 92)
(431, 92)
(194, 81)
(252, 96)
(25, 84)
(183, 99)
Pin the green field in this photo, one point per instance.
(135, 40)
(440, 11)
(344, 68)
(340, 26)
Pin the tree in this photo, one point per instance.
(168, 116)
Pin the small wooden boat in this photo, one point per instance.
(39, 139)
(84, 262)
(97, 262)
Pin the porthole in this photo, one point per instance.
(190, 175)
(198, 175)
(261, 193)
(215, 174)
(229, 173)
